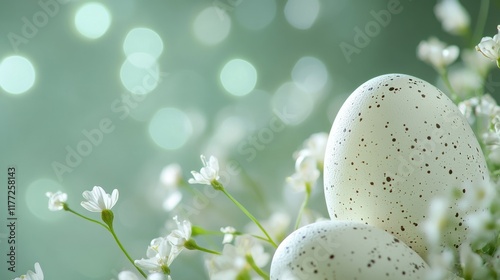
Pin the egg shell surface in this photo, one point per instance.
(396, 143)
(345, 250)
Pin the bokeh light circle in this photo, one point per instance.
(302, 14)
(255, 14)
(170, 128)
(139, 80)
(310, 74)
(291, 104)
(92, 20)
(17, 74)
(212, 25)
(142, 42)
(238, 77)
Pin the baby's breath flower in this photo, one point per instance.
(436, 53)
(160, 256)
(98, 200)
(306, 174)
(453, 16)
(314, 147)
(30, 275)
(490, 47)
(57, 200)
(208, 173)
(233, 262)
(229, 234)
(180, 236)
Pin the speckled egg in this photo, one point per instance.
(396, 143)
(345, 250)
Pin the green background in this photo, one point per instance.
(77, 79)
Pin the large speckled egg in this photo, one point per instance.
(345, 250)
(396, 143)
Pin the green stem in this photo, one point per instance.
(249, 215)
(257, 269)
(481, 21)
(304, 205)
(112, 231)
(192, 245)
(444, 76)
(86, 218)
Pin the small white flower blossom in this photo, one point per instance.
(436, 53)
(127, 275)
(440, 264)
(480, 111)
(490, 47)
(30, 275)
(314, 147)
(98, 200)
(158, 276)
(233, 260)
(160, 256)
(469, 261)
(56, 200)
(476, 61)
(208, 173)
(466, 82)
(229, 234)
(306, 174)
(453, 16)
(180, 236)
(171, 176)
(438, 220)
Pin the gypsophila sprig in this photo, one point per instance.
(437, 53)
(208, 173)
(160, 256)
(490, 47)
(30, 275)
(57, 200)
(98, 200)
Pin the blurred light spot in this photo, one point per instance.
(38, 203)
(171, 176)
(212, 25)
(238, 77)
(255, 14)
(291, 104)
(92, 20)
(310, 74)
(139, 80)
(170, 128)
(172, 200)
(17, 74)
(301, 14)
(142, 46)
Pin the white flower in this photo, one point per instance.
(160, 256)
(440, 263)
(179, 236)
(127, 275)
(490, 47)
(314, 147)
(233, 260)
(171, 176)
(438, 220)
(56, 200)
(229, 234)
(453, 16)
(476, 61)
(469, 261)
(306, 174)
(30, 275)
(98, 200)
(208, 173)
(466, 82)
(436, 53)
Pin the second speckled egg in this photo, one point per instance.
(396, 143)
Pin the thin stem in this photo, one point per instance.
(303, 206)
(192, 245)
(249, 215)
(481, 22)
(257, 269)
(86, 218)
(444, 76)
(126, 253)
